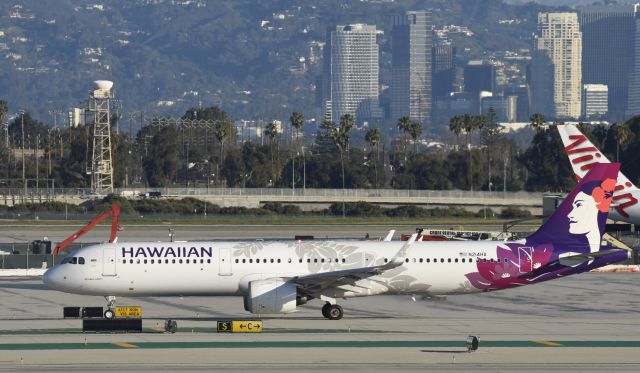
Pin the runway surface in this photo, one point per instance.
(581, 323)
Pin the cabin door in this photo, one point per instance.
(224, 261)
(109, 261)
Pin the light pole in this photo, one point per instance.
(304, 171)
(24, 175)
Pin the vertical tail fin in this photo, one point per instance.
(580, 219)
(583, 155)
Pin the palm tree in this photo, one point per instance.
(415, 132)
(471, 123)
(340, 136)
(456, 125)
(537, 120)
(222, 129)
(622, 135)
(297, 121)
(404, 125)
(372, 137)
(272, 131)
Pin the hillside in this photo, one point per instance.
(254, 59)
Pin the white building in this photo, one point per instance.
(595, 100)
(557, 46)
(351, 72)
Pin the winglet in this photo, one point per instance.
(389, 236)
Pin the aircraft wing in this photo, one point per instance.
(318, 281)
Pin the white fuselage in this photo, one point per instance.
(144, 269)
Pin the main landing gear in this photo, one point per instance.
(332, 311)
(111, 301)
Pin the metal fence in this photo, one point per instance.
(61, 193)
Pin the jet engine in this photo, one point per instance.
(272, 295)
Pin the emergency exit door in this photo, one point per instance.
(224, 260)
(109, 261)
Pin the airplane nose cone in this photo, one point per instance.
(51, 278)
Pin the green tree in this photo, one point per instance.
(404, 125)
(223, 129)
(161, 160)
(372, 137)
(272, 131)
(297, 121)
(623, 136)
(546, 162)
(340, 137)
(323, 141)
(537, 121)
(456, 125)
(416, 132)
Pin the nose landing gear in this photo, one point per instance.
(111, 301)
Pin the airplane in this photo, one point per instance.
(278, 277)
(583, 155)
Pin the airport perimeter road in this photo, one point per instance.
(193, 232)
(582, 323)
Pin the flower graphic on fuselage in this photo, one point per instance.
(512, 263)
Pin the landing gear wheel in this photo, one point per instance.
(325, 310)
(109, 314)
(335, 312)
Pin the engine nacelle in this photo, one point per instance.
(272, 295)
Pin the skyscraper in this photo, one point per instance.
(350, 72)
(479, 75)
(594, 101)
(411, 40)
(608, 36)
(557, 45)
(352, 69)
(443, 64)
(633, 101)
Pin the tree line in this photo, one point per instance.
(474, 154)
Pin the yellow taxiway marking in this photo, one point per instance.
(548, 343)
(124, 344)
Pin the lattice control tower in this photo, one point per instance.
(101, 167)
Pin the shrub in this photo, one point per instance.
(514, 213)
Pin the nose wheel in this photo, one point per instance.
(332, 311)
(111, 301)
(109, 314)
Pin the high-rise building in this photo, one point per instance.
(350, 73)
(633, 101)
(608, 42)
(479, 76)
(557, 46)
(522, 101)
(411, 41)
(443, 64)
(595, 101)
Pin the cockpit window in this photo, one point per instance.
(81, 260)
(66, 260)
(74, 260)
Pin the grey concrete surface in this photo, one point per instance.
(588, 307)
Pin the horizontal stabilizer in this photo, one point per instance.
(574, 260)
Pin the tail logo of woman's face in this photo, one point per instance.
(592, 200)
